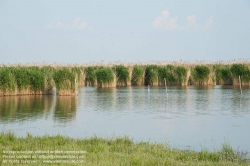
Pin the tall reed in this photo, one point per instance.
(65, 80)
(200, 74)
(122, 75)
(223, 75)
(181, 75)
(105, 77)
(138, 75)
(79, 72)
(167, 73)
(241, 70)
(8, 84)
(151, 75)
(40, 79)
(90, 76)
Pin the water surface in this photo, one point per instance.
(187, 117)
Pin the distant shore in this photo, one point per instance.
(42, 79)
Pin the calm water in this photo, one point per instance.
(185, 117)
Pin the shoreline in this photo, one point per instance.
(43, 80)
(100, 151)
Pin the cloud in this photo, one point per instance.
(166, 22)
(209, 22)
(76, 25)
(191, 19)
(192, 24)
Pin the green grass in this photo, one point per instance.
(119, 151)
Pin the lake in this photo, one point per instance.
(188, 117)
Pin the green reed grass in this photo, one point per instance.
(64, 79)
(31, 79)
(241, 70)
(41, 79)
(22, 77)
(119, 151)
(79, 72)
(181, 74)
(137, 74)
(200, 73)
(122, 74)
(90, 75)
(104, 75)
(151, 74)
(37, 79)
(7, 80)
(166, 72)
(223, 75)
(49, 81)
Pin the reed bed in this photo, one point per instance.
(138, 74)
(105, 77)
(65, 81)
(40, 79)
(90, 76)
(122, 75)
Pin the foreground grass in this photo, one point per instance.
(119, 151)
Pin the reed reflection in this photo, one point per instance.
(203, 98)
(239, 103)
(123, 98)
(105, 99)
(28, 107)
(65, 108)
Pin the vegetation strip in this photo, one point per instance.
(99, 151)
(37, 80)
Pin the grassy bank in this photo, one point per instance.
(120, 151)
(19, 80)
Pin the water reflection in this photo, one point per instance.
(65, 109)
(196, 113)
(24, 107)
(204, 98)
(32, 107)
(104, 99)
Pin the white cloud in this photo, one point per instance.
(165, 21)
(191, 19)
(76, 25)
(209, 22)
(192, 24)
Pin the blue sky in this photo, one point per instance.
(79, 31)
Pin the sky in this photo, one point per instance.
(84, 31)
